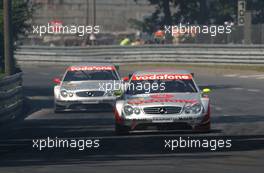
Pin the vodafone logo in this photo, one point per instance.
(163, 77)
(90, 68)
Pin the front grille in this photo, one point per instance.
(163, 110)
(90, 93)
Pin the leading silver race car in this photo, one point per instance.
(162, 100)
(83, 85)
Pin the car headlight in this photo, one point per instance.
(195, 108)
(70, 94)
(136, 110)
(128, 110)
(64, 93)
(187, 109)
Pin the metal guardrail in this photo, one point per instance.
(187, 53)
(11, 97)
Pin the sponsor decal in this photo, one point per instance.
(163, 77)
(161, 100)
(90, 68)
(156, 96)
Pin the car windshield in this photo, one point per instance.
(82, 75)
(160, 86)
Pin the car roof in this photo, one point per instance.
(91, 64)
(161, 71)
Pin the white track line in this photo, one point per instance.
(254, 90)
(260, 77)
(41, 97)
(252, 76)
(256, 76)
(237, 88)
(250, 90)
(230, 75)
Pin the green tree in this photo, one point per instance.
(257, 7)
(172, 12)
(21, 15)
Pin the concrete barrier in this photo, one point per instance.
(11, 97)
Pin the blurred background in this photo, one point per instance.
(139, 20)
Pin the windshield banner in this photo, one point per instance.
(90, 68)
(163, 77)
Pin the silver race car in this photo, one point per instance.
(85, 85)
(162, 100)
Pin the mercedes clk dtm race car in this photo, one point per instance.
(84, 85)
(162, 100)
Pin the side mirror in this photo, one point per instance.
(117, 67)
(125, 79)
(206, 91)
(57, 81)
(118, 93)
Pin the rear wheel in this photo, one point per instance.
(121, 129)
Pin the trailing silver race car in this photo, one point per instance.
(85, 85)
(162, 100)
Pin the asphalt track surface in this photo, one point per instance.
(237, 115)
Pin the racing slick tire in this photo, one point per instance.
(205, 128)
(121, 129)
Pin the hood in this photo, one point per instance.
(168, 99)
(91, 85)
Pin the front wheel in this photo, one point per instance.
(121, 129)
(58, 109)
(203, 128)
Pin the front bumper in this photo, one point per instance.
(84, 104)
(161, 123)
